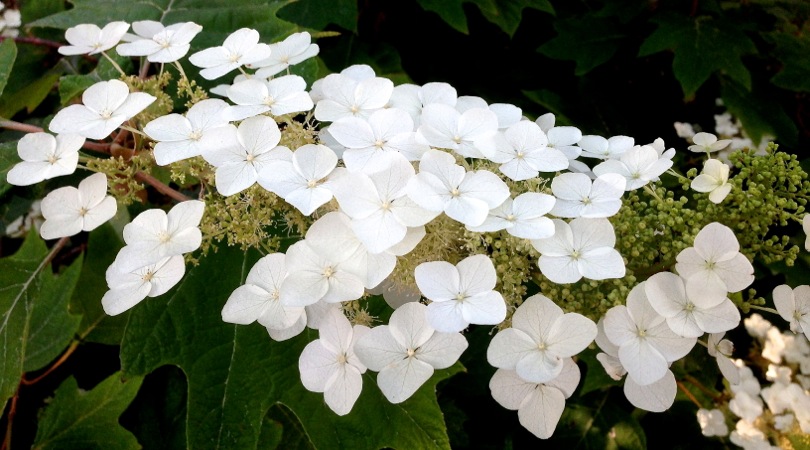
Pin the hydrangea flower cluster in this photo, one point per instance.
(385, 184)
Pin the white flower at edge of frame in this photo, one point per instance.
(106, 105)
(539, 405)
(329, 364)
(68, 210)
(127, 289)
(462, 294)
(794, 306)
(44, 157)
(89, 39)
(407, 351)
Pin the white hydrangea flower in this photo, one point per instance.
(541, 338)
(240, 48)
(716, 260)
(461, 294)
(329, 364)
(294, 49)
(601, 148)
(407, 351)
(523, 217)
(154, 235)
(443, 126)
(203, 128)
(707, 142)
(128, 288)
(68, 210)
(714, 180)
(158, 43)
(794, 306)
(577, 196)
(582, 248)
(106, 105)
(722, 349)
(539, 405)
(300, 177)
(345, 96)
(44, 157)
(282, 95)
(523, 153)
(639, 165)
(89, 39)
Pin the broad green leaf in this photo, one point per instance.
(96, 326)
(8, 53)
(35, 325)
(504, 13)
(219, 18)
(71, 86)
(760, 114)
(31, 95)
(589, 41)
(792, 51)
(88, 420)
(157, 415)
(8, 158)
(236, 373)
(318, 14)
(702, 47)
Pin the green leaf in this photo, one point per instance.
(603, 426)
(8, 53)
(792, 51)
(595, 377)
(589, 41)
(219, 18)
(35, 325)
(236, 373)
(8, 158)
(71, 86)
(157, 416)
(761, 115)
(702, 46)
(504, 13)
(78, 419)
(318, 14)
(96, 326)
(31, 95)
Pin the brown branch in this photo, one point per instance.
(34, 41)
(160, 186)
(101, 147)
(689, 394)
(72, 348)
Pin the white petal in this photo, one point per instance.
(656, 397)
(400, 380)
(542, 410)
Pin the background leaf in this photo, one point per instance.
(236, 373)
(88, 420)
(8, 53)
(318, 14)
(760, 114)
(792, 51)
(702, 46)
(8, 158)
(31, 299)
(589, 41)
(504, 13)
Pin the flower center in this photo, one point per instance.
(312, 183)
(234, 57)
(269, 100)
(689, 307)
(147, 276)
(455, 192)
(249, 158)
(511, 217)
(106, 114)
(575, 255)
(641, 332)
(82, 211)
(341, 359)
(164, 237)
(379, 144)
(457, 139)
(275, 295)
(354, 109)
(460, 297)
(411, 353)
(195, 135)
(52, 159)
(328, 272)
(586, 200)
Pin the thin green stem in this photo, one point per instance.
(650, 191)
(764, 308)
(115, 64)
(133, 130)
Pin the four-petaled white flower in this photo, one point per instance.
(239, 163)
(646, 343)
(712, 422)
(601, 148)
(202, 128)
(539, 405)
(259, 298)
(638, 165)
(240, 48)
(299, 177)
(444, 127)
(541, 338)
(523, 153)
(158, 43)
(578, 197)
(407, 351)
(715, 259)
(461, 294)
(691, 308)
(707, 142)
(345, 96)
(523, 217)
(69, 210)
(106, 105)
(128, 288)
(582, 248)
(329, 364)
(296, 48)
(281, 95)
(443, 185)
(714, 180)
(794, 306)
(154, 235)
(89, 39)
(44, 157)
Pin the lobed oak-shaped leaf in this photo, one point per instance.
(236, 373)
(702, 47)
(589, 41)
(88, 420)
